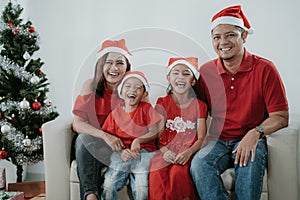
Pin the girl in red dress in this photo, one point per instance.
(183, 133)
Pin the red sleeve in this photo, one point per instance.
(202, 109)
(273, 91)
(152, 115)
(159, 107)
(84, 104)
(109, 124)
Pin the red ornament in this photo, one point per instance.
(36, 105)
(3, 154)
(40, 131)
(41, 73)
(10, 24)
(16, 31)
(0, 115)
(31, 29)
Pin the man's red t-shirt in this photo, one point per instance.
(238, 102)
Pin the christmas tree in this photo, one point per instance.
(24, 106)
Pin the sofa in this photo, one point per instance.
(281, 180)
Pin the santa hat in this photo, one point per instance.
(232, 15)
(190, 62)
(136, 74)
(117, 46)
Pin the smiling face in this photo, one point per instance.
(228, 41)
(114, 69)
(181, 79)
(133, 91)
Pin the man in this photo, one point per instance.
(246, 100)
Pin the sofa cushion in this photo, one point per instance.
(228, 177)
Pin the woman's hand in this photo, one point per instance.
(169, 156)
(114, 142)
(183, 157)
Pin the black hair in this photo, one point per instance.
(99, 79)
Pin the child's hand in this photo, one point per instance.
(183, 157)
(135, 148)
(125, 155)
(169, 156)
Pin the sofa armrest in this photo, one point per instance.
(57, 138)
(283, 163)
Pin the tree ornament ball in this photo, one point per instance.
(35, 79)
(31, 29)
(48, 102)
(13, 117)
(36, 105)
(3, 154)
(16, 31)
(5, 129)
(0, 115)
(10, 24)
(26, 55)
(24, 104)
(40, 131)
(27, 142)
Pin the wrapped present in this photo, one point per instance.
(30, 189)
(12, 196)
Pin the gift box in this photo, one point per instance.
(12, 196)
(30, 189)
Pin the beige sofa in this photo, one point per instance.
(281, 182)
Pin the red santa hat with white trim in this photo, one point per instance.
(136, 74)
(232, 15)
(117, 46)
(190, 62)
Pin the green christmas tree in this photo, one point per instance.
(24, 106)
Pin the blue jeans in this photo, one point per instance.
(210, 162)
(136, 170)
(92, 155)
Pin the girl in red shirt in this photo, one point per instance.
(183, 133)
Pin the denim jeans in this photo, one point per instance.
(210, 162)
(92, 155)
(136, 170)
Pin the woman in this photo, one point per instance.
(93, 146)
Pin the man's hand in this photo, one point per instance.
(246, 147)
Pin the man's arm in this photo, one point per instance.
(275, 121)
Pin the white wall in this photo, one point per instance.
(71, 30)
